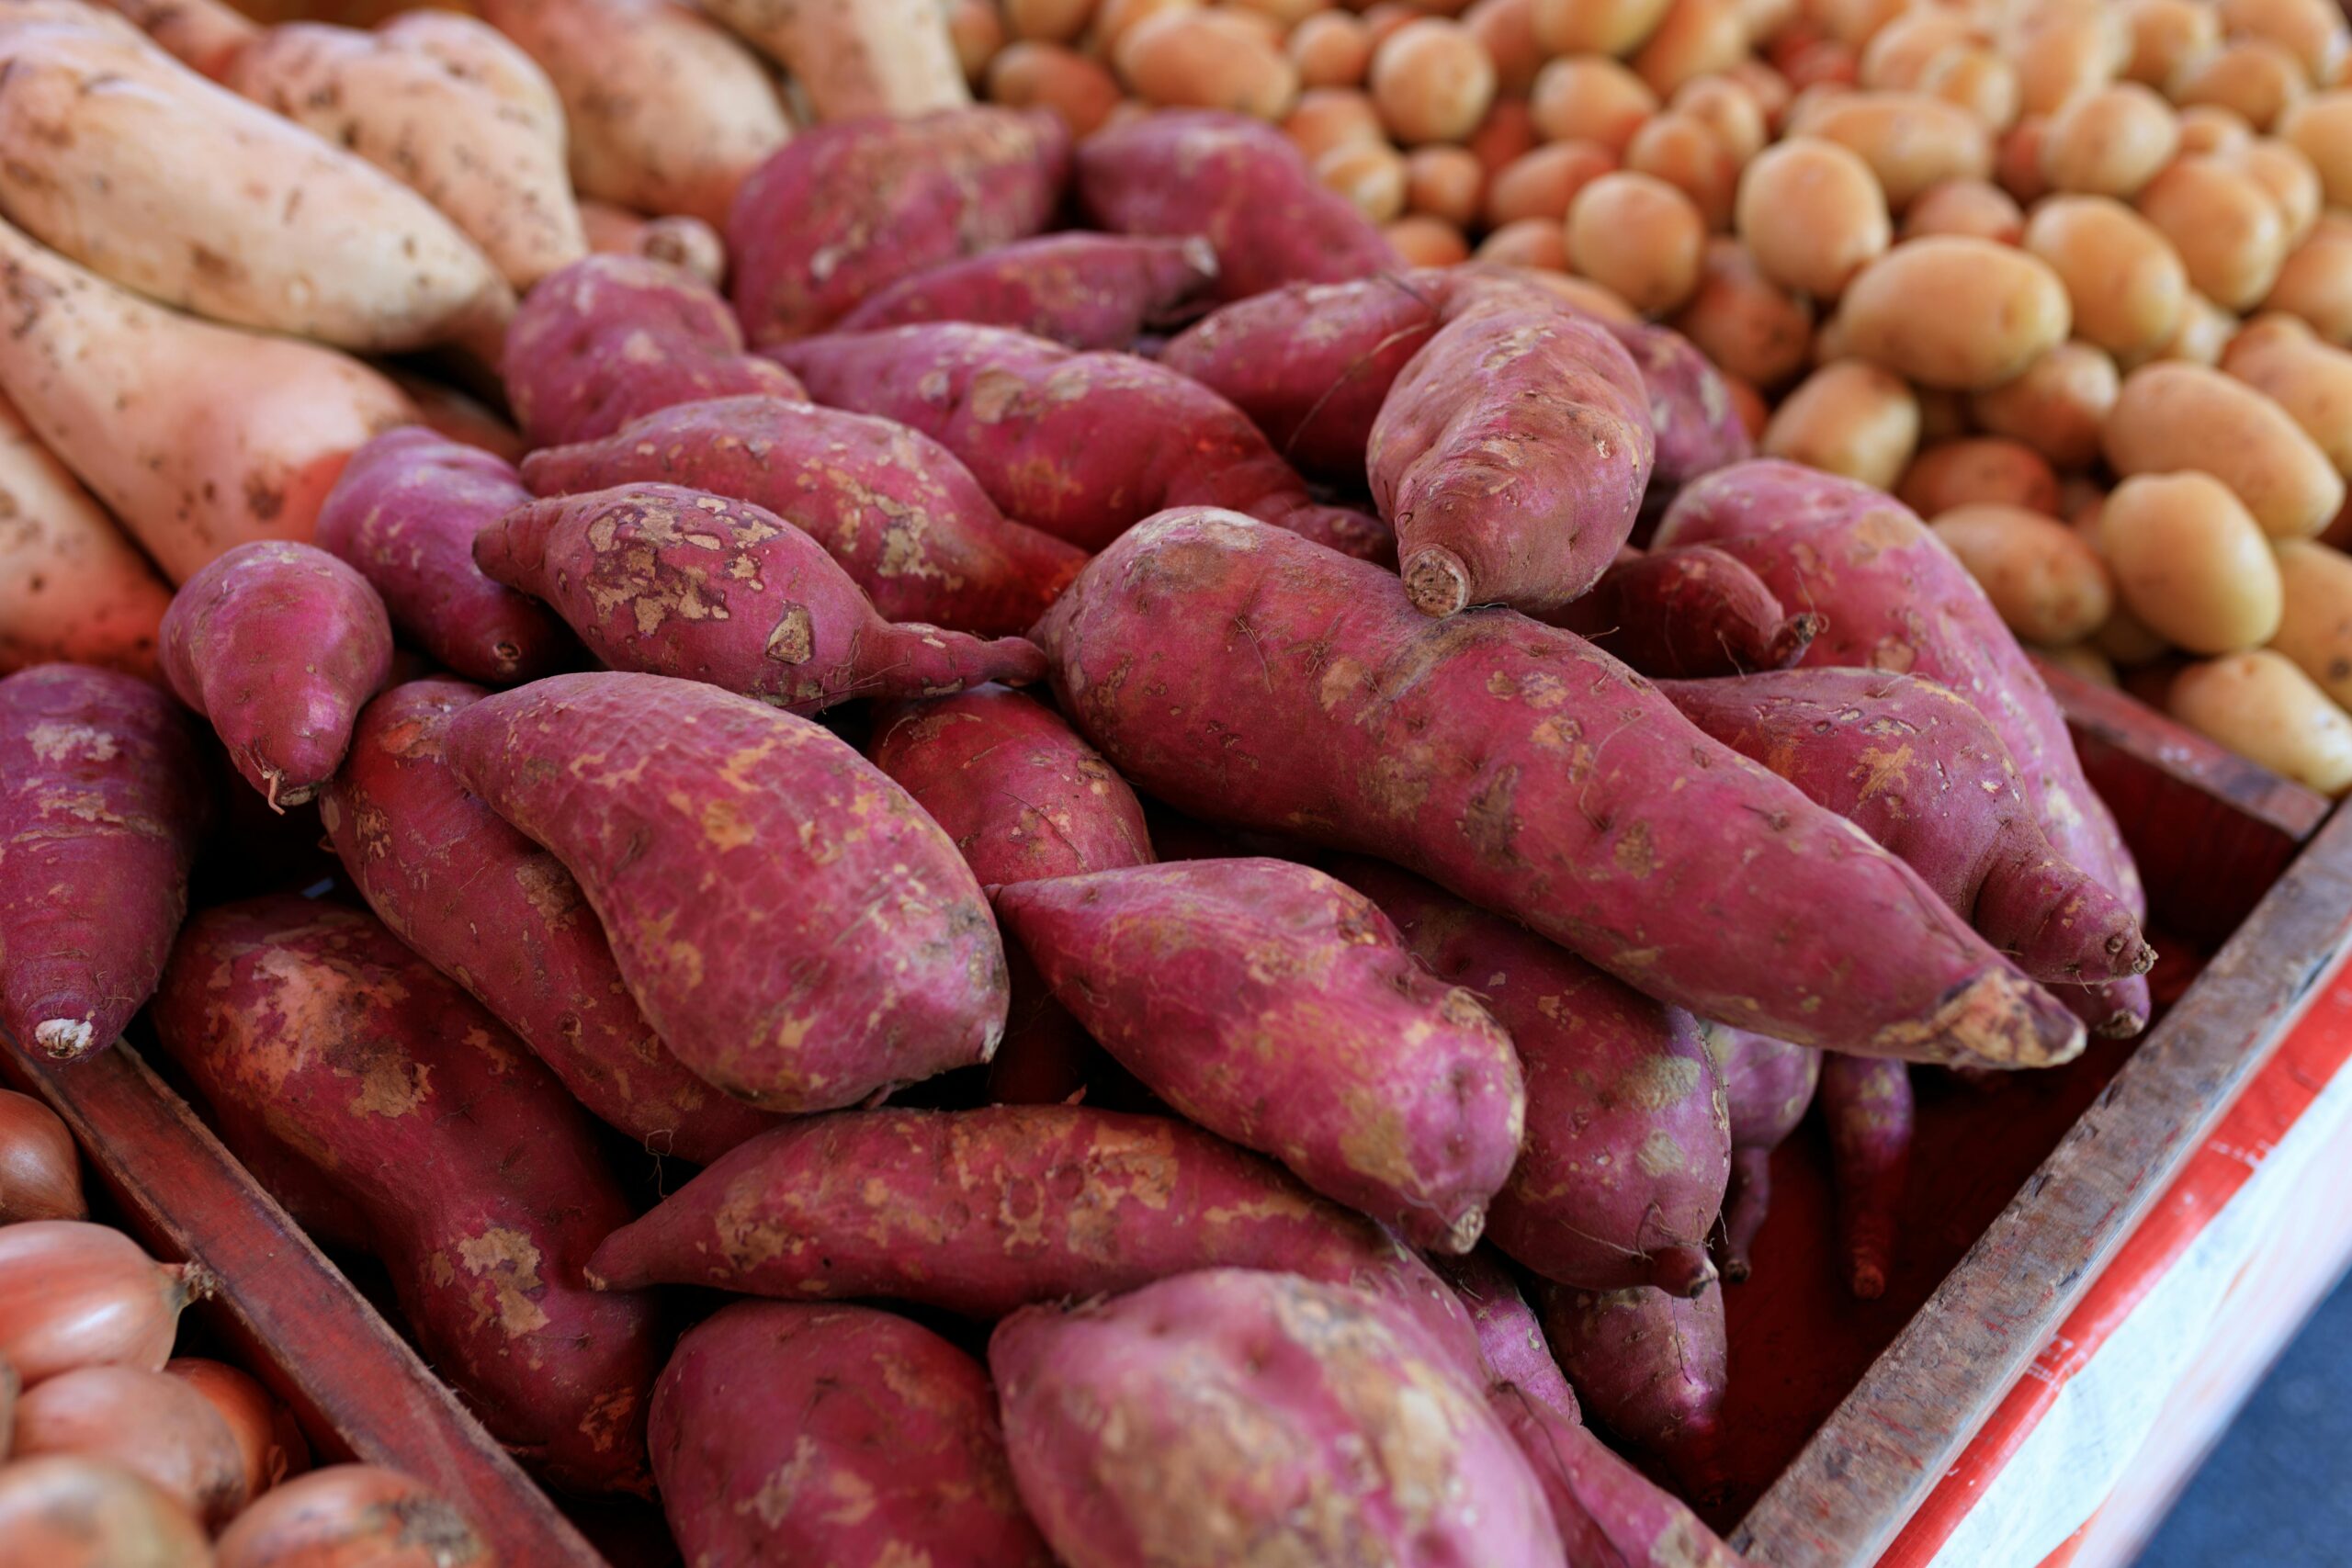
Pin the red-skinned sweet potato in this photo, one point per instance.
(1082, 445)
(1869, 1108)
(391, 1114)
(1387, 1090)
(1769, 1085)
(502, 917)
(667, 580)
(1648, 1367)
(844, 210)
(1240, 184)
(102, 806)
(1691, 411)
(892, 506)
(612, 338)
(278, 645)
(404, 514)
(1081, 290)
(1627, 1146)
(1688, 614)
(1244, 675)
(784, 1432)
(796, 928)
(1509, 1335)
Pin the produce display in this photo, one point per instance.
(1099, 772)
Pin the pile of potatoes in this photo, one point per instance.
(2074, 279)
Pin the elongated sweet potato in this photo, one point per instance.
(102, 804)
(798, 932)
(1030, 420)
(1688, 614)
(667, 581)
(1896, 598)
(1622, 1170)
(783, 1432)
(850, 207)
(1650, 1368)
(613, 337)
(404, 513)
(1869, 1108)
(1243, 675)
(391, 1113)
(1769, 1085)
(502, 917)
(1080, 290)
(278, 645)
(900, 515)
(73, 588)
(1510, 1335)
(1691, 411)
(1390, 1092)
(1240, 184)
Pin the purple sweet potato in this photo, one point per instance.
(667, 580)
(102, 804)
(789, 1433)
(392, 1115)
(1240, 184)
(1243, 675)
(1688, 614)
(404, 513)
(893, 507)
(1868, 1106)
(1769, 1085)
(1896, 598)
(1082, 445)
(1081, 290)
(847, 209)
(1691, 411)
(1921, 772)
(793, 927)
(1509, 1335)
(278, 644)
(1234, 1415)
(611, 338)
(501, 916)
(1278, 1007)
(1648, 1367)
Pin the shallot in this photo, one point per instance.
(268, 1439)
(348, 1515)
(66, 1511)
(75, 1294)
(40, 1174)
(158, 1427)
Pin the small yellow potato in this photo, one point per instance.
(1047, 77)
(2314, 283)
(1910, 139)
(1977, 209)
(2109, 142)
(976, 30)
(2016, 159)
(2227, 230)
(1369, 174)
(1638, 237)
(2287, 177)
(2126, 642)
(1506, 30)
(1330, 48)
(1848, 418)
(2057, 405)
(1812, 214)
(2254, 78)
(1431, 80)
(1210, 59)
(2045, 581)
(1051, 21)
(1695, 38)
(2191, 563)
(2067, 55)
(1541, 183)
(2124, 278)
(2084, 659)
(1444, 182)
(1539, 242)
(2209, 127)
(2315, 622)
(1974, 78)
(1900, 52)
(1333, 117)
(1423, 239)
(2320, 128)
(1747, 323)
(1979, 470)
(2172, 416)
(2311, 30)
(2285, 362)
(2205, 330)
(1949, 312)
(1589, 98)
(1683, 152)
(1729, 109)
(2167, 34)
(1943, 413)
(1595, 26)
(2259, 705)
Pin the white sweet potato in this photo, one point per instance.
(856, 57)
(73, 589)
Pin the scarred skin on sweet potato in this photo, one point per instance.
(278, 643)
(502, 917)
(667, 580)
(391, 1114)
(1278, 1007)
(1769, 1084)
(404, 514)
(1082, 445)
(789, 1433)
(1246, 676)
(612, 338)
(1081, 290)
(1627, 1147)
(1688, 615)
(847, 208)
(102, 806)
(1869, 1108)
(893, 507)
(1236, 1416)
(794, 928)
(1648, 1367)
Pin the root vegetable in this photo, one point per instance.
(2173, 417)
(1085, 291)
(72, 589)
(1850, 418)
(40, 1170)
(2044, 578)
(353, 1514)
(1869, 1108)
(271, 1445)
(1979, 470)
(1769, 1084)
(857, 57)
(2259, 705)
(1648, 1367)
(74, 1294)
(155, 1426)
(1952, 311)
(1688, 614)
(64, 1511)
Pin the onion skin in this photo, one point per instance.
(40, 1171)
(157, 1427)
(75, 1294)
(351, 1515)
(268, 1439)
(64, 1511)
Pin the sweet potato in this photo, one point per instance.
(611, 338)
(1028, 417)
(502, 917)
(278, 645)
(850, 207)
(391, 1114)
(1244, 675)
(73, 588)
(1897, 600)
(1389, 1092)
(1691, 414)
(782, 1432)
(678, 239)
(1510, 1336)
(1234, 1414)
(1240, 184)
(1622, 1170)
(1921, 772)
(1769, 1085)
(1081, 290)
(797, 931)
(1869, 1109)
(673, 581)
(404, 514)
(903, 517)
(1688, 614)
(1648, 1367)
(101, 810)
